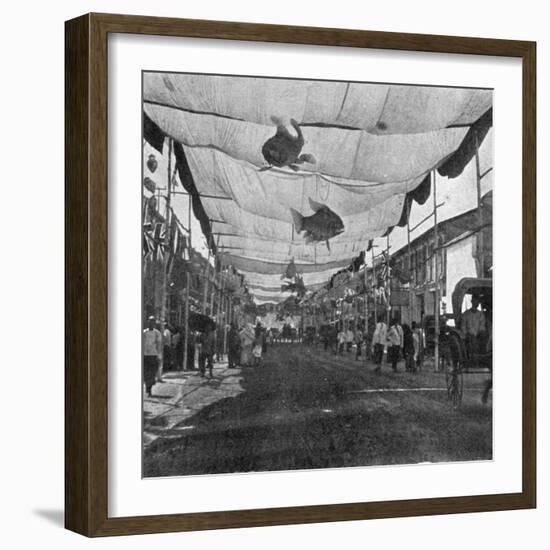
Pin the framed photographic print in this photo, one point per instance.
(295, 279)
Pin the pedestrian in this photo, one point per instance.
(418, 340)
(247, 339)
(166, 351)
(258, 344)
(394, 345)
(333, 339)
(177, 345)
(233, 347)
(152, 352)
(409, 349)
(208, 347)
(359, 337)
(378, 342)
(192, 344)
(257, 348)
(350, 336)
(399, 329)
(341, 340)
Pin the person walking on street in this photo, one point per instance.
(208, 347)
(394, 345)
(409, 349)
(333, 339)
(152, 352)
(247, 339)
(349, 338)
(233, 347)
(378, 342)
(257, 347)
(399, 329)
(166, 358)
(418, 345)
(341, 341)
(359, 337)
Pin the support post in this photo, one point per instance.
(388, 281)
(374, 287)
(167, 236)
(186, 321)
(480, 248)
(410, 272)
(206, 276)
(436, 266)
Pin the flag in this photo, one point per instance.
(173, 244)
(158, 242)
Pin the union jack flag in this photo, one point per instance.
(153, 241)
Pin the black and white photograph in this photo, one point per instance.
(317, 274)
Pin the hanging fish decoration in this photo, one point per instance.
(152, 163)
(321, 226)
(283, 149)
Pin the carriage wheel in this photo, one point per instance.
(455, 386)
(453, 374)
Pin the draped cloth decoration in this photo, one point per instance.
(374, 146)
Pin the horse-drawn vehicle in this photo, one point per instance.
(467, 349)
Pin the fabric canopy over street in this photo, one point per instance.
(369, 151)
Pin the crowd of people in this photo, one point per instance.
(400, 342)
(164, 345)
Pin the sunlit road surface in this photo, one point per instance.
(306, 408)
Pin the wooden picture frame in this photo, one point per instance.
(86, 278)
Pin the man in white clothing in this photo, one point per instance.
(152, 352)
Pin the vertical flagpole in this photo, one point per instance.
(366, 305)
(480, 250)
(189, 225)
(207, 275)
(186, 320)
(388, 281)
(436, 294)
(214, 277)
(374, 287)
(225, 323)
(166, 253)
(410, 271)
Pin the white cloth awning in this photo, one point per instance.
(373, 144)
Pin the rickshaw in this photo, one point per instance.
(461, 354)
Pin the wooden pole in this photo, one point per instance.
(213, 290)
(366, 307)
(206, 275)
(436, 293)
(480, 250)
(410, 272)
(186, 321)
(374, 287)
(225, 323)
(163, 308)
(388, 281)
